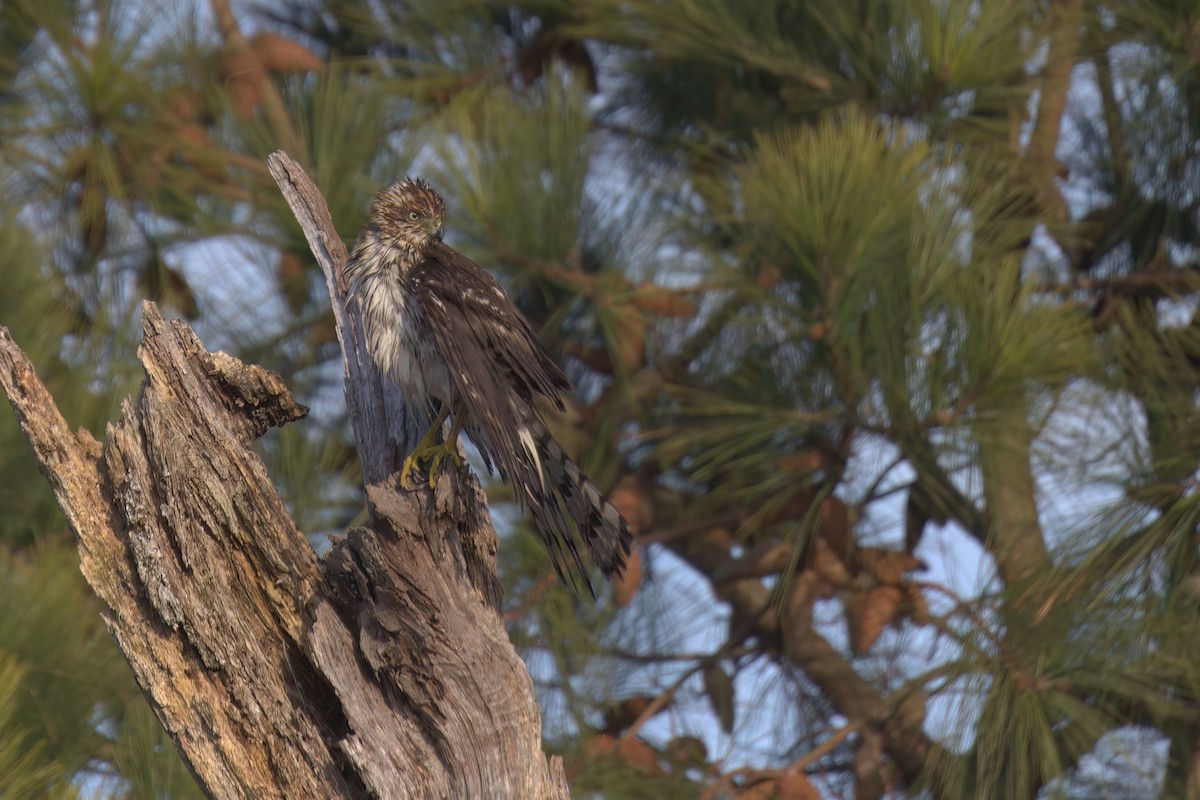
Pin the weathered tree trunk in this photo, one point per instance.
(382, 670)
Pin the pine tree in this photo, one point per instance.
(880, 314)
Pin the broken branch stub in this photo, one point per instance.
(382, 670)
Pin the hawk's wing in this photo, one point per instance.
(497, 368)
(485, 326)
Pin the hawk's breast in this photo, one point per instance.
(401, 343)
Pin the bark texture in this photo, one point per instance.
(382, 670)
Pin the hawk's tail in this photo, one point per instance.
(562, 484)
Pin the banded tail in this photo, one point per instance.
(553, 483)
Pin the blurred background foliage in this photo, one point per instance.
(882, 317)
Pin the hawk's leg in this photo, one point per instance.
(432, 453)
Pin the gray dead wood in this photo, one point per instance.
(382, 670)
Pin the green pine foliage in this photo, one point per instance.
(830, 278)
(26, 770)
(145, 758)
(498, 154)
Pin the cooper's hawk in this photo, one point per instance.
(443, 328)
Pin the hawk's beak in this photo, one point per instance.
(439, 233)
(436, 230)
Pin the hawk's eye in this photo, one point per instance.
(414, 216)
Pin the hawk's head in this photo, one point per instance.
(408, 214)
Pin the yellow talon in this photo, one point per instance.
(429, 451)
(440, 453)
(406, 472)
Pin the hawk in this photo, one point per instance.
(442, 327)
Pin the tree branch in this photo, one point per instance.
(789, 631)
(1062, 27)
(383, 670)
